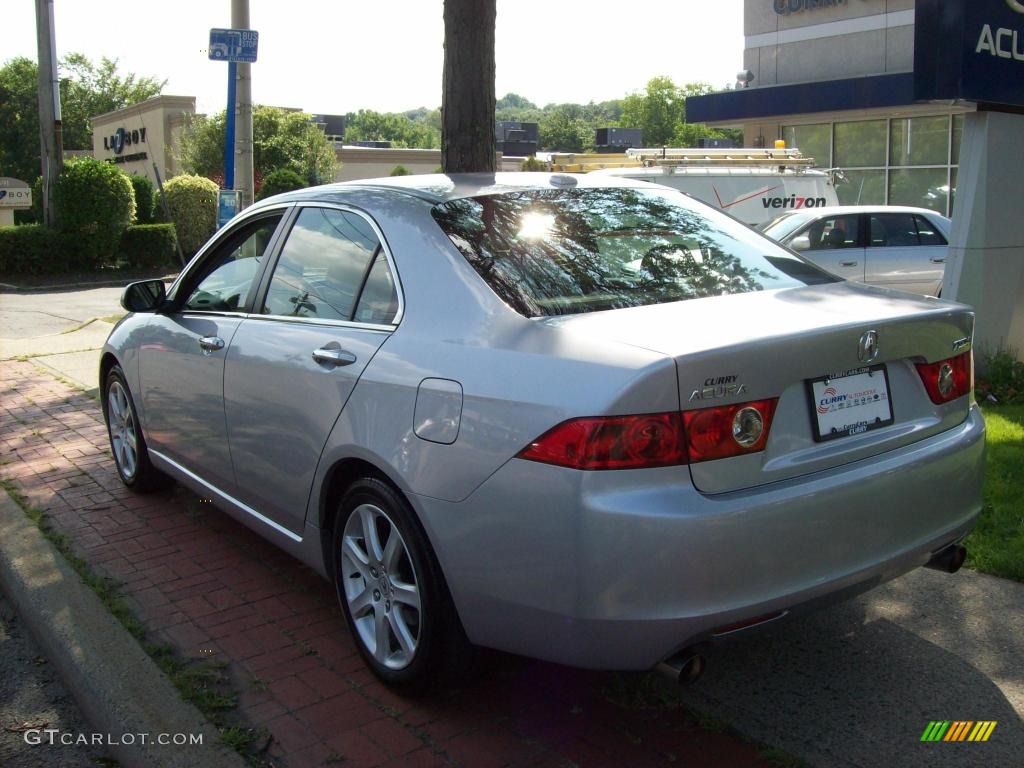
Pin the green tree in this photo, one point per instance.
(562, 129)
(396, 127)
(86, 90)
(279, 181)
(514, 101)
(660, 111)
(281, 139)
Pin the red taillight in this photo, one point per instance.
(728, 430)
(948, 379)
(655, 439)
(612, 442)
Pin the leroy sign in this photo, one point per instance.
(14, 193)
(971, 50)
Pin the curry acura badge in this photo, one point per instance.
(867, 347)
(719, 386)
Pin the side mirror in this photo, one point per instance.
(802, 243)
(144, 296)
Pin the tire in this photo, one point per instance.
(127, 443)
(393, 594)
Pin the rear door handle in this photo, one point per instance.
(333, 357)
(211, 344)
(938, 261)
(847, 263)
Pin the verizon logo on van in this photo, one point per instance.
(793, 202)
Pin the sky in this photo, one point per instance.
(333, 56)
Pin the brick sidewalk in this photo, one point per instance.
(212, 589)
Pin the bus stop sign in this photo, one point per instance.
(234, 45)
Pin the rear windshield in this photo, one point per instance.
(567, 251)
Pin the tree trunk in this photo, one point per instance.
(467, 101)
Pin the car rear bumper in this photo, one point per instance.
(618, 570)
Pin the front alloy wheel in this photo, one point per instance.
(124, 440)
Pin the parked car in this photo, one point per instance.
(891, 246)
(580, 418)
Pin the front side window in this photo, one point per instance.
(329, 261)
(565, 251)
(229, 273)
(834, 232)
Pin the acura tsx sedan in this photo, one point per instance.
(584, 419)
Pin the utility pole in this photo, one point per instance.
(51, 140)
(243, 120)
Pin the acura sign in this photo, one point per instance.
(971, 50)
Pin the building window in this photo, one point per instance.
(862, 187)
(919, 141)
(812, 141)
(899, 161)
(860, 144)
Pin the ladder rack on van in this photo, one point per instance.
(683, 158)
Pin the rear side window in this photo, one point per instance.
(927, 232)
(893, 230)
(835, 232)
(567, 251)
(332, 267)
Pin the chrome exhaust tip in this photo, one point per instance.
(949, 559)
(682, 668)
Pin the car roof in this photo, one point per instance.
(837, 210)
(439, 188)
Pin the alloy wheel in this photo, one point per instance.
(123, 436)
(380, 586)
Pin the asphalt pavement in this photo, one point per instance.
(60, 331)
(33, 700)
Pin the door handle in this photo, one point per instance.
(333, 357)
(211, 344)
(847, 263)
(938, 261)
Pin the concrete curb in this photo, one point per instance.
(58, 287)
(119, 688)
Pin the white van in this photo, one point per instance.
(754, 185)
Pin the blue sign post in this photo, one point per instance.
(232, 46)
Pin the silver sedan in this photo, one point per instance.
(891, 246)
(584, 419)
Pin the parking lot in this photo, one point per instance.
(854, 685)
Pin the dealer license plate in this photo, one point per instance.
(850, 402)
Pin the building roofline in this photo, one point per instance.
(168, 101)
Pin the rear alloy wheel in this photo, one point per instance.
(126, 441)
(391, 589)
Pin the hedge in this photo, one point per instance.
(281, 180)
(145, 198)
(149, 245)
(192, 201)
(95, 203)
(32, 249)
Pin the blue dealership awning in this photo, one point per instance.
(825, 96)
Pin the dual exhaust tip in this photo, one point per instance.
(689, 664)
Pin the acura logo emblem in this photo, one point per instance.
(1016, 5)
(867, 348)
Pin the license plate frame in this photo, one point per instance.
(851, 392)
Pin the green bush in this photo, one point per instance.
(149, 245)
(1003, 379)
(144, 198)
(192, 201)
(281, 180)
(400, 170)
(95, 203)
(533, 164)
(32, 249)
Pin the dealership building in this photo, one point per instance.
(918, 102)
(834, 78)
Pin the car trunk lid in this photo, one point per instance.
(771, 344)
